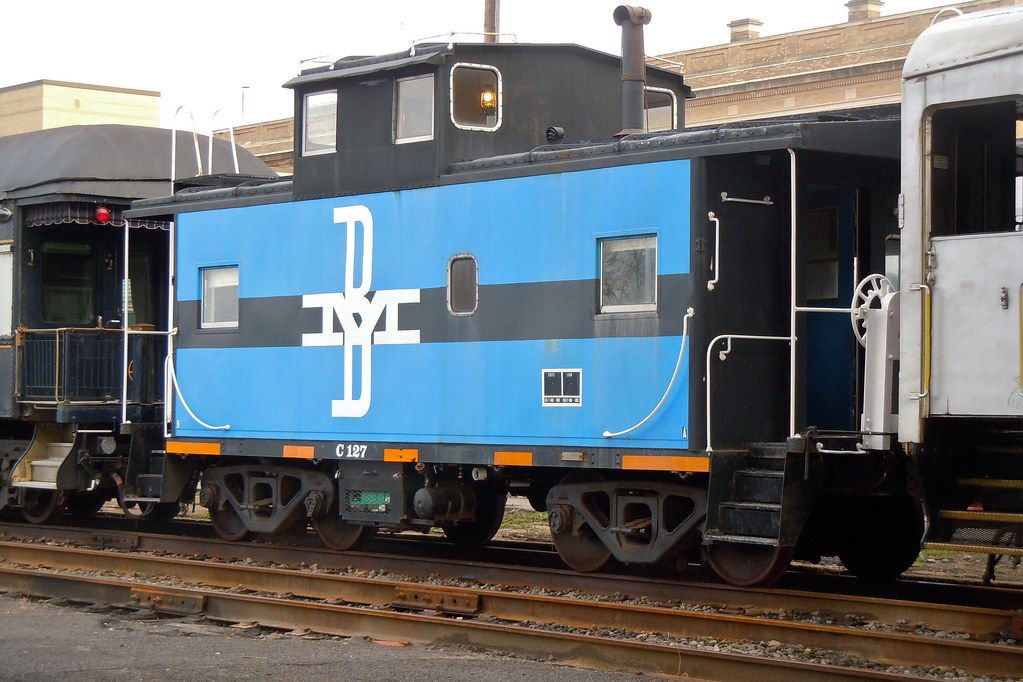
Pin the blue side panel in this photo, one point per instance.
(540, 229)
(459, 393)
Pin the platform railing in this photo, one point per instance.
(82, 366)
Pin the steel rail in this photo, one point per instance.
(585, 650)
(898, 648)
(828, 599)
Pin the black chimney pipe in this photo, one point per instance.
(491, 20)
(632, 19)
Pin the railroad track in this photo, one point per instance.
(634, 634)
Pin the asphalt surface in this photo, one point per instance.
(42, 641)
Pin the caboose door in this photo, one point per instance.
(829, 277)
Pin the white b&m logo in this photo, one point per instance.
(358, 315)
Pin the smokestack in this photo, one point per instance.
(632, 19)
(745, 29)
(491, 20)
(859, 10)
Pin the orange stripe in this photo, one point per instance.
(186, 448)
(299, 451)
(396, 455)
(513, 459)
(655, 463)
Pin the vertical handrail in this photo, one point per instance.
(168, 404)
(234, 150)
(124, 328)
(174, 145)
(925, 380)
(716, 267)
(792, 293)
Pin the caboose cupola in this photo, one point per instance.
(395, 121)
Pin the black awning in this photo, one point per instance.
(82, 213)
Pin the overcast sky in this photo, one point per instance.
(203, 54)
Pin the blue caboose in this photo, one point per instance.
(508, 267)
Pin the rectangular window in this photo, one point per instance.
(319, 123)
(463, 285)
(659, 110)
(69, 283)
(219, 297)
(628, 274)
(413, 109)
(822, 254)
(974, 168)
(475, 97)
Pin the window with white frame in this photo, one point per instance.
(413, 109)
(463, 284)
(628, 274)
(659, 110)
(219, 303)
(476, 97)
(319, 123)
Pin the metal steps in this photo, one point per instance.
(751, 497)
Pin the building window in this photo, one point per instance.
(69, 283)
(413, 109)
(475, 97)
(219, 297)
(319, 123)
(628, 274)
(659, 110)
(463, 285)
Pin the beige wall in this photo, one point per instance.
(844, 66)
(52, 104)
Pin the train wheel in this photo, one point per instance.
(749, 565)
(576, 542)
(887, 543)
(489, 515)
(84, 505)
(42, 506)
(342, 535)
(582, 550)
(228, 524)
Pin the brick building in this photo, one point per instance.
(45, 104)
(844, 66)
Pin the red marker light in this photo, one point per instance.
(102, 214)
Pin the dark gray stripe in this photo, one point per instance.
(507, 312)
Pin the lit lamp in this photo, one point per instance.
(488, 100)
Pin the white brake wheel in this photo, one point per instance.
(869, 294)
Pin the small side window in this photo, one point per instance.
(475, 97)
(219, 297)
(659, 110)
(463, 285)
(413, 109)
(628, 274)
(319, 123)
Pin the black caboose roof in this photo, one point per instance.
(106, 160)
